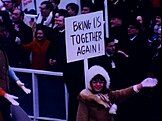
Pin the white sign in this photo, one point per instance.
(84, 36)
(30, 20)
(28, 4)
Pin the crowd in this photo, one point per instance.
(133, 49)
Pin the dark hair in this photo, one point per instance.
(96, 77)
(88, 4)
(56, 1)
(21, 12)
(63, 12)
(48, 5)
(6, 20)
(73, 6)
(40, 27)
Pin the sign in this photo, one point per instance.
(28, 5)
(84, 36)
(30, 20)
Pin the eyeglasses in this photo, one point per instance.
(98, 81)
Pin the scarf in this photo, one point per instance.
(47, 22)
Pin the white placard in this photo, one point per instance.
(28, 4)
(84, 36)
(30, 19)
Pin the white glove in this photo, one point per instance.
(19, 83)
(149, 82)
(11, 98)
(26, 90)
(113, 109)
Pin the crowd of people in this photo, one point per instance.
(133, 49)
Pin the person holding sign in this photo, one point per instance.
(97, 101)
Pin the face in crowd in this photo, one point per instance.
(158, 20)
(44, 11)
(132, 30)
(111, 47)
(55, 3)
(98, 83)
(115, 22)
(17, 16)
(8, 4)
(59, 21)
(86, 10)
(45, 8)
(40, 35)
(71, 11)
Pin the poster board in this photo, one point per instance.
(84, 36)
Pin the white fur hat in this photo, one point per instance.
(93, 71)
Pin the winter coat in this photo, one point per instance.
(39, 51)
(90, 110)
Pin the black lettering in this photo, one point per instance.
(78, 39)
(98, 47)
(83, 49)
(75, 26)
(86, 24)
(94, 48)
(79, 51)
(98, 22)
(82, 38)
(100, 33)
(72, 36)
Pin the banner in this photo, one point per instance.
(84, 36)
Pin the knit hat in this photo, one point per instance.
(95, 70)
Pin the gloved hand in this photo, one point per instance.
(113, 109)
(149, 82)
(26, 90)
(19, 83)
(11, 98)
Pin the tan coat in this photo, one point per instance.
(91, 110)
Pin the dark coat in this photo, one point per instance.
(4, 86)
(25, 34)
(4, 80)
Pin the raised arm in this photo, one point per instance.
(19, 83)
(124, 93)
